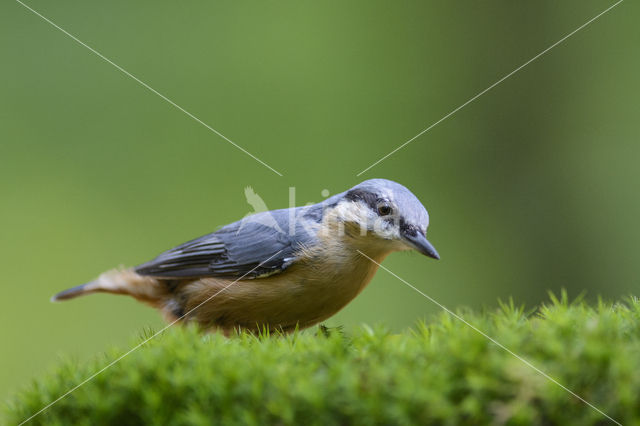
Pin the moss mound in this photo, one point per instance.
(439, 373)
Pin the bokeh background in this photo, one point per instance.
(533, 187)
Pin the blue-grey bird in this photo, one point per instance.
(281, 269)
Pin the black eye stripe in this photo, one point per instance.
(408, 229)
(370, 199)
(374, 201)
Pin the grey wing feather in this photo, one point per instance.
(257, 246)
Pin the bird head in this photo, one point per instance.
(385, 214)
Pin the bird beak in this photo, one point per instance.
(420, 243)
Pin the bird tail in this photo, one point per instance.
(73, 292)
(119, 281)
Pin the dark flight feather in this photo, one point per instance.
(236, 250)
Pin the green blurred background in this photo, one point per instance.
(532, 187)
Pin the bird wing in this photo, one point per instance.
(254, 247)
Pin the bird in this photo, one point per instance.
(279, 270)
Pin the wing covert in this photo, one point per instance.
(254, 247)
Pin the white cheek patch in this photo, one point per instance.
(354, 213)
(368, 220)
(386, 230)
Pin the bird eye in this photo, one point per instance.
(384, 210)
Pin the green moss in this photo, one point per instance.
(439, 373)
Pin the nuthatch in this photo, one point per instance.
(281, 269)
